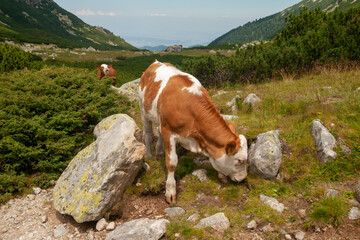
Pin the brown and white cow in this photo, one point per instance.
(183, 110)
(107, 71)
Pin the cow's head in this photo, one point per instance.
(233, 162)
(104, 68)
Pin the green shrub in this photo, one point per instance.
(13, 58)
(46, 117)
(330, 210)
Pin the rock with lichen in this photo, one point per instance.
(97, 176)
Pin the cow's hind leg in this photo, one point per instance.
(148, 135)
(159, 146)
(171, 163)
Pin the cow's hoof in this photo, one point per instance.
(171, 199)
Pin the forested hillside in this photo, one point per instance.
(268, 27)
(43, 21)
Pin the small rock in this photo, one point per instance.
(138, 184)
(345, 149)
(229, 117)
(193, 218)
(282, 231)
(110, 226)
(317, 229)
(232, 102)
(60, 230)
(273, 203)
(52, 182)
(327, 87)
(288, 236)
(31, 197)
(217, 221)
(101, 224)
(358, 89)
(332, 193)
(251, 99)
(200, 174)
(36, 190)
(252, 225)
(267, 228)
(357, 193)
(177, 235)
(353, 202)
(148, 211)
(299, 235)
(174, 211)
(146, 166)
(302, 213)
(354, 213)
(90, 235)
(43, 219)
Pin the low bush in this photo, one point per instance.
(47, 116)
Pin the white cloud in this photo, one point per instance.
(88, 12)
(158, 15)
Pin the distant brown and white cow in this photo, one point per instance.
(107, 71)
(183, 110)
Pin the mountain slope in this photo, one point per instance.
(268, 27)
(43, 21)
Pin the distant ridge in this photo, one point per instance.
(268, 27)
(43, 21)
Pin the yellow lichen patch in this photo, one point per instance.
(108, 123)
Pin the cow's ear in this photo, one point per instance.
(230, 148)
(110, 66)
(97, 66)
(232, 127)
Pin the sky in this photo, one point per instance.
(166, 22)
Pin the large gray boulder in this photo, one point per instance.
(129, 89)
(325, 142)
(251, 99)
(265, 155)
(173, 49)
(139, 229)
(97, 177)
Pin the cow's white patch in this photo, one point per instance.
(190, 144)
(173, 155)
(195, 88)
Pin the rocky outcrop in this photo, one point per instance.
(139, 229)
(129, 89)
(173, 49)
(265, 155)
(325, 142)
(97, 177)
(251, 99)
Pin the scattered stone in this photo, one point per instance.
(229, 117)
(252, 225)
(217, 221)
(302, 213)
(353, 202)
(345, 149)
(174, 211)
(43, 219)
(193, 218)
(327, 87)
(110, 226)
(129, 89)
(200, 174)
(233, 101)
(173, 49)
(332, 193)
(265, 155)
(299, 235)
(358, 89)
(146, 167)
(90, 235)
(98, 176)
(177, 235)
(234, 109)
(36, 190)
(288, 236)
(357, 192)
(31, 197)
(267, 228)
(354, 213)
(317, 229)
(142, 228)
(101, 224)
(273, 203)
(325, 142)
(251, 99)
(60, 230)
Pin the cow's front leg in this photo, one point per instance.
(171, 163)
